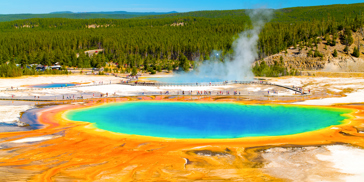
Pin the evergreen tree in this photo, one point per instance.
(335, 53)
(134, 71)
(356, 52)
(184, 63)
(346, 49)
(24, 61)
(169, 68)
(317, 54)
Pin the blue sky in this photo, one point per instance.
(46, 6)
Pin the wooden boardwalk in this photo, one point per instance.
(136, 83)
(205, 84)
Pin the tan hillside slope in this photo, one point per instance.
(298, 58)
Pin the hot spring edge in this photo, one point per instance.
(195, 120)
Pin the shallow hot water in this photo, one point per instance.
(207, 120)
(54, 85)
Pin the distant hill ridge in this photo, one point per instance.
(114, 12)
(338, 11)
(81, 15)
(293, 14)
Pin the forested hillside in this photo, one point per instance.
(167, 43)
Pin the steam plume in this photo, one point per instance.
(236, 66)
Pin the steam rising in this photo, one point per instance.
(236, 66)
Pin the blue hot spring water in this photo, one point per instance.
(177, 79)
(54, 85)
(189, 120)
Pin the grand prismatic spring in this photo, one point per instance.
(206, 120)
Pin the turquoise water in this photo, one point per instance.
(54, 85)
(177, 79)
(206, 120)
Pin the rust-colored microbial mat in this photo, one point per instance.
(77, 151)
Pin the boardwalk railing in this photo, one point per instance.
(151, 93)
(204, 84)
(40, 99)
(176, 93)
